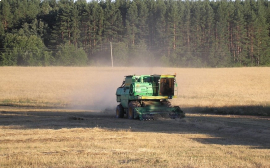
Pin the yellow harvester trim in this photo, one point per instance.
(167, 76)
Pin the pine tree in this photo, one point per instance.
(75, 29)
(32, 9)
(236, 32)
(151, 5)
(196, 30)
(93, 26)
(113, 23)
(45, 8)
(48, 16)
(160, 28)
(63, 27)
(131, 23)
(143, 14)
(174, 16)
(220, 54)
(84, 13)
(182, 33)
(250, 17)
(5, 14)
(261, 37)
(186, 56)
(207, 30)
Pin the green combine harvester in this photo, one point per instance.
(146, 97)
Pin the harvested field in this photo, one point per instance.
(64, 117)
(91, 87)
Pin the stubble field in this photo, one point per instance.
(64, 117)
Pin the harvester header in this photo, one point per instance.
(145, 96)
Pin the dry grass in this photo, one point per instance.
(112, 148)
(51, 137)
(50, 86)
(224, 87)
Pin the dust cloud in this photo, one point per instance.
(97, 89)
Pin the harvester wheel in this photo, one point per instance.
(119, 111)
(131, 109)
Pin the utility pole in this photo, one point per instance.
(111, 53)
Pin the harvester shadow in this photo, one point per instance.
(256, 110)
(223, 129)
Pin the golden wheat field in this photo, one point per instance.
(64, 117)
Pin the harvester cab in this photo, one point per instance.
(147, 96)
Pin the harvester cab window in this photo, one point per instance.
(147, 79)
(166, 87)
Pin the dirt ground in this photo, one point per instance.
(227, 129)
(65, 117)
(233, 137)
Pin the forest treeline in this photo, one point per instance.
(142, 32)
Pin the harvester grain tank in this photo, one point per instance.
(147, 96)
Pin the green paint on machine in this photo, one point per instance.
(146, 96)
